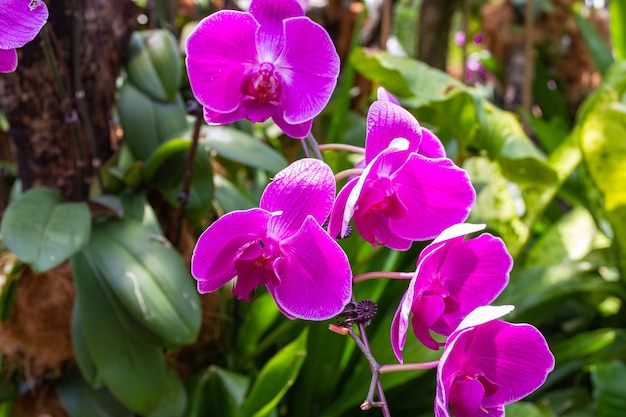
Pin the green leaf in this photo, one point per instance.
(604, 151)
(216, 392)
(12, 270)
(459, 112)
(568, 240)
(137, 208)
(262, 314)
(153, 63)
(162, 154)
(278, 374)
(149, 279)
(43, 230)
(84, 360)
(608, 381)
(598, 48)
(174, 399)
(525, 409)
(229, 197)
(148, 123)
(130, 364)
(617, 10)
(169, 180)
(81, 400)
(240, 147)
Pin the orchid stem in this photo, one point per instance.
(391, 368)
(305, 149)
(183, 196)
(342, 147)
(315, 146)
(347, 172)
(381, 274)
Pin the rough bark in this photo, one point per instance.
(433, 29)
(55, 119)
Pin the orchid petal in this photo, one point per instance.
(384, 95)
(21, 21)
(383, 164)
(220, 51)
(271, 14)
(514, 357)
(474, 272)
(427, 309)
(8, 60)
(314, 274)
(431, 146)
(387, 121)
(336, 215)
(306, 187)
(466, 397)
(437, 194)
(213, 259)
(213, 117)
(309, 66)
(295, 130)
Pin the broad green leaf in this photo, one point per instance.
(162, 154)
(43, 230)
(153, 63)
(240, 147)
(130, 364)
(229, 197)
(278, 374)
(495, 204)
(459, 112)
(149, 279)
(84, 360)
(262, 313)
(617, 27)
(137, 208)
(174, 399)
(525, 409)
(81, 400)
(596, 45)
(603, 144)
(148, 123)
(568, 240)
(216, 392)
(608, 381)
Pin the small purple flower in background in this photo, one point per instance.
(281, 245)
(272, 61)
(488, 363)
(20, 22)
(452, 278)
(408, 190)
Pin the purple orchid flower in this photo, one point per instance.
(408, 189)
(281, 245)
(20, 22)
(453, 277)
(488, 363)
(272, 61)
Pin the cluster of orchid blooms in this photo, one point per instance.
(273, 61)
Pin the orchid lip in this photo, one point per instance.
(263, 84)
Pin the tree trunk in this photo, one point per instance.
(433, 29)
(58, 102)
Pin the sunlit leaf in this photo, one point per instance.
(216, 392)
(278, 374)
(608, 381)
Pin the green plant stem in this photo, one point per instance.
(70, 113)
(342, 147)
(183, 197)
(348, 172)
(391, 368)
(381, 274)
(305, 149)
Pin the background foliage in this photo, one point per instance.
(550, 180)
